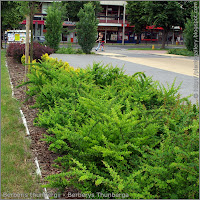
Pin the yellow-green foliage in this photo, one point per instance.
(23, 61)
(117, 133)
(53, 61)
(59, 64)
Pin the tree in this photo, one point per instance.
(28, 9)
(87, 28)
(24, 8)
(54, 25)
(32, 12)
(73, 8)
(11, 15)
(187, 8)
(164, 14)
(189, 32)
(136, 15)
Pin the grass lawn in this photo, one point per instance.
(16, 170)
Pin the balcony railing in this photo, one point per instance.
(111, 19)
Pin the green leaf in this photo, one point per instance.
(84, 177)
(120, 187)
(98, 182)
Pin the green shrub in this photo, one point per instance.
(105, 75)
(189, 32)
(183, 52)
(116, 133)
(69, 50)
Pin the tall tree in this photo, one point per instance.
(136, 15)
(87, 27)
(29, 9)
(24, 7)
(73, 8)
(11, 15)
(27, 47)
(54, 22)
(164, 14)
(187, 8)
(191, 32)
(33, 8)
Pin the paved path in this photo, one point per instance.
(162, 67)
(178, 64)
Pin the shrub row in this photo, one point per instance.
(16, 50)
(115, 133)
(69, 50)
(183, 52)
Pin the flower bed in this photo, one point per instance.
(116, 134)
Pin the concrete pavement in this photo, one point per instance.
(172, 63)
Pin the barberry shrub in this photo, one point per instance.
(17, 50)
(117, 134)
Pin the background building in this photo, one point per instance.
(110, 24)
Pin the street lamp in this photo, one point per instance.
(124, 14)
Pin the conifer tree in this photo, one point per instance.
(87, 28)
(54, 25)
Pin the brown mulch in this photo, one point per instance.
(39, 148)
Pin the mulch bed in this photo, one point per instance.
(39, 148)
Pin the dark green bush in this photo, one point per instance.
(87, 27)
(183, 52)
(54, 25)
(191, 37)
(116, 133)
(69, 50)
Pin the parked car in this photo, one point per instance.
(40, 39)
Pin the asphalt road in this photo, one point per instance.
(131, 62)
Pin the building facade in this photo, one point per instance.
(110, 24)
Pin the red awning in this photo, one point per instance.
(34, 21)
(128, 25)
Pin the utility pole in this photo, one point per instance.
(123, 34)
(173, 36)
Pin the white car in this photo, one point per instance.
(40, 39)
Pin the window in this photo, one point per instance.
(37, 18)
